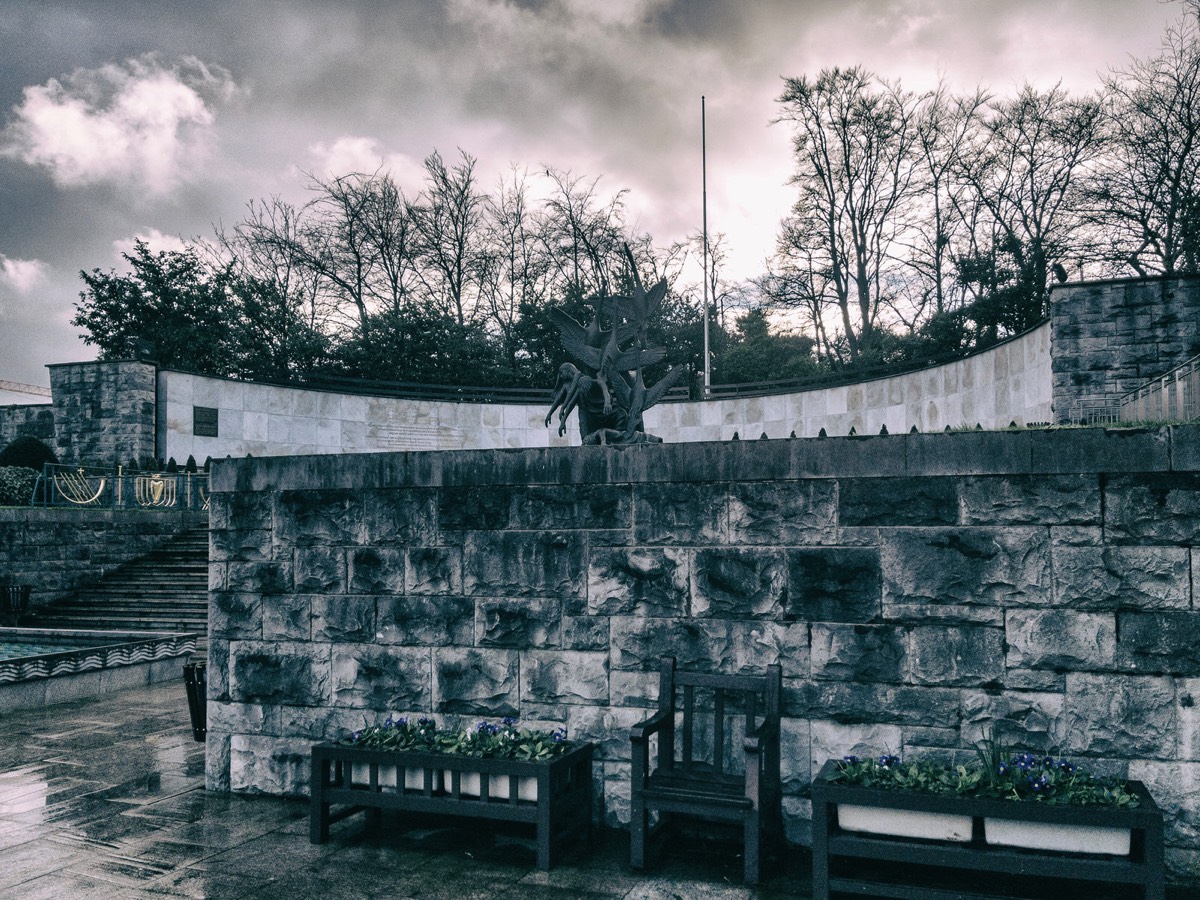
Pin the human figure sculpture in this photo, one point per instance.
(610, 392)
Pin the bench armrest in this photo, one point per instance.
(755, 741)
(640, 732)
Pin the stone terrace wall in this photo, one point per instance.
(920, 591)
(55, 551)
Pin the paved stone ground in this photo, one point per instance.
(104, 798)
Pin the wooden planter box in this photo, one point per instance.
(864, 861)
(555, 796)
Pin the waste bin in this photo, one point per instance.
(195, 679)
(15, 600)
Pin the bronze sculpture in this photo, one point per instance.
(611, 396)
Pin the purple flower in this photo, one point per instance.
(850, 760)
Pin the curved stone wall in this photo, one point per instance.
(1007, 383)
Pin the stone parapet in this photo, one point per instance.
(104, 412)
(921, 592)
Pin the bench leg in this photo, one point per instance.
(752, 840)
(318, 810)
(639, 823)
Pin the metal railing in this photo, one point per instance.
(1173, 397)
(89, 486)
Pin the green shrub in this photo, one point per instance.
(27, 452)
(16, 485)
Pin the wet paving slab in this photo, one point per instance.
(104, 798)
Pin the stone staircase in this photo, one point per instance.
(165, 590)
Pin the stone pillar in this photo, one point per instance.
(1110, 337)
(104, 411)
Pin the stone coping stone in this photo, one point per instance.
(1073, 450)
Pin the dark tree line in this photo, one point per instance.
(923, 225)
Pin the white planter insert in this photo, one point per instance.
(1052, 836)
(498, 786)
(414, 779)
(904, 822)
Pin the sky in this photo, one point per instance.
(124, 120)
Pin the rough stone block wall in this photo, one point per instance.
(104, 412)
(919, 591)
(31, 420)
(1110, 337)
(55, 551)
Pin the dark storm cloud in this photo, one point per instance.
(605, 88)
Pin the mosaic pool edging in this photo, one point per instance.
(113, 649)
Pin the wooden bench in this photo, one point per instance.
(695, 773)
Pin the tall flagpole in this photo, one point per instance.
(704, 181)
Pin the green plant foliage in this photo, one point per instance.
(486, 741)
(16, 485)
(27, 452)
(997, 774)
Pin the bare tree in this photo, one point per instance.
(583, 235)
(448, 219)
(854, 137)
(943, 126)
(515, 272)
(1025, 166)
(1147, 190)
